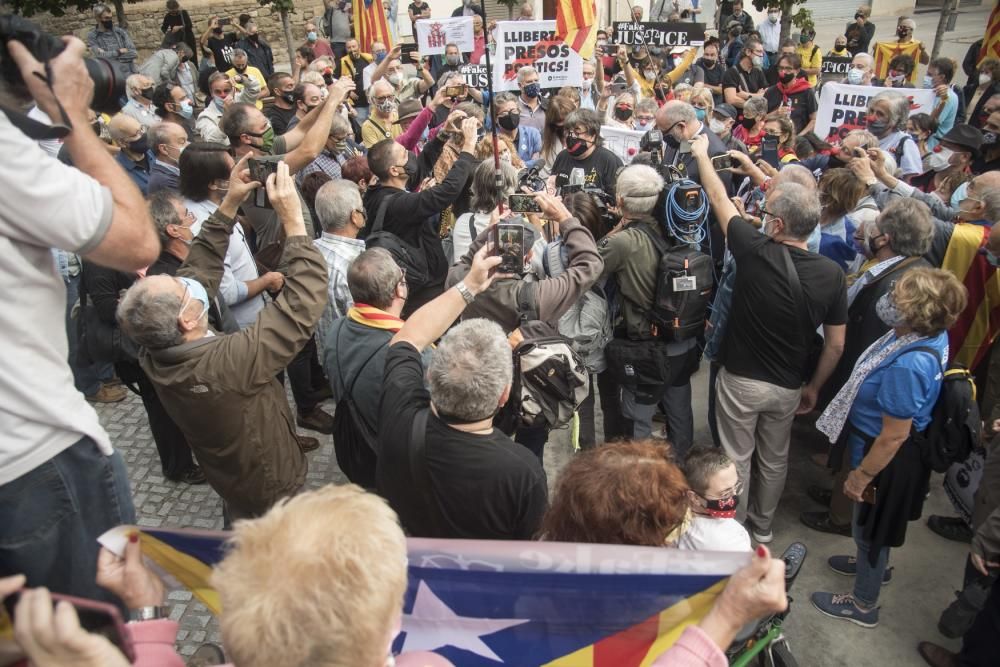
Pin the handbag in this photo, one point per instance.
(638, 363)
(813, 344)
(102, 341)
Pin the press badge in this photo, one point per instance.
(685, 284)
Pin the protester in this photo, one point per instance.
(530, 104)
(222, 96)
(793, 96)
(940, 72)
(161, 66)
(319, 46)
(281, 87)
(338, 149)
(745, 79)
(751, 129)
(770, 32)
(839, 49)
(173, 103)
(887, 114)
(892, 390)
(381, 123)
(810, 56)
(722, 123)
(133, 155)
(901, 71)
(403, 87)
(779, 127)
(242, 70)
(584, 150)
(218, 41)
(714, 487)
(486, 197)
(860, 32)
(986, 86)
(166, 141)
(106, 40)
(554, 133)
(949, 164)
(528, 140)
(904, 46)
(307, 96)
(177, 28)
(712, 69)
(862, 70)
(139, 89)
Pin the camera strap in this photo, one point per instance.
(35, 129)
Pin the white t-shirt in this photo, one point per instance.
(708, 534)
(45, 204)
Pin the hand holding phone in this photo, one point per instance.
(507, 241)
(260, 169)
(722, 162)
(523, 203)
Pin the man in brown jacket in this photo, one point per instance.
(221, 389)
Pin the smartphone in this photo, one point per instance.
(508, 244)
(617, 88)
(223, 22)
(769, 151)
(455, 91)
(523, 203)
(720, 162)
(97, 617)
(406, 52)
(868, 495)
(260, 169)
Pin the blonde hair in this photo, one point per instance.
(703, 95)
(930, 300)
(319, 579)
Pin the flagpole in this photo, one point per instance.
(491, 110)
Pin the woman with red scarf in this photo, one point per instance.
(750, 129)
(792, 95)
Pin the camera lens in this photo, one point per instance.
(109, 85)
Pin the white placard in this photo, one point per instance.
(623, 143)
(534, 43)
(433, 35)
(843, 107)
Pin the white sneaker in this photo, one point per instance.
(761, 538)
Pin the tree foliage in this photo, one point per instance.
(284, 8)
(63, 7)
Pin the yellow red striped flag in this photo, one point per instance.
(371, 25)
(575, 25)
(991, 40)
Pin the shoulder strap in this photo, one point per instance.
(921, 348)
(418, 470)
(658, 241)
(348, 389)
(472, 227)
(380, 216)
(800, 302)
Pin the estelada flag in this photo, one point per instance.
(371, 25)
(970, 338)
(575, 25)
(886, 51)
(991, 40)
(525, 604)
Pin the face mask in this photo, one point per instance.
(288, 97)
(266, 138)
(254, 37)
(107, 25)
(748, 123)
(505, 157)
(147, 93)
(710, 64)
(623, 113)
(140, 145)
(989, 139)
(805, 39)
(721, 508)
(217, 31)
(896, 78)
(186, 110)
(311, 36)
(984, 79)
(928, 83)
(577, 146)
(453, 59)
(959, 194)
(855, 76)
(240, 68)
(758, 61)
(219, 102)
(379, 56)
(339, 147)
(386, 106)
(887, 311)
(940, 159)
(643, 124)
(587, 83)
(717, 126)
(902, 32)
(839, 48)
(509, 121)
(532, 90)
(195, 292)
(699, 113)
(180, 150)
(650, 75)
(870, 249)
(786, 79)
(394, 78)
(878, 127)
(411, 166)
(773, 18)
(602, 43)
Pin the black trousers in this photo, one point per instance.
(306, 377)
(979, 646)
(172, 446)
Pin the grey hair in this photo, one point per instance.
(132, 82)
(370, 93)
(149, 316)
(339, 126)
(677, 111)
(638, 187)
(701, 463)
(755, 107)
(868, 140)
(334, 203)
(589, 120)
(100, 8)
(239, 53)
(797, 206)
(988, 189)
(161, 209)
(157, 134)
(443, 80)
(485, 195)
(372, 278)
(796, 173)
(899, 107)
(505, 98)
(647, 104)
(908, 22)
(869, 61)
(907, 223)
(469, 371)
(524, 72)
(215, 76)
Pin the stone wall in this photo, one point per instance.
(145, 18)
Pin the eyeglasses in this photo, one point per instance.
(734, 490)
(385, 98)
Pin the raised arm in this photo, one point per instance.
(718, 197)
(251, 90)
(682, 67)
(303, 148)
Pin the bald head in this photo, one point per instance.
(795, 173)
(123, 129)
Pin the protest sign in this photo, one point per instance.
(433, 35)
(476, 76)
(666, 35)
(534, 43)
(843, 107)
(623, 143)
(835, 66)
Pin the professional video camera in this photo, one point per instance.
(530, 178)
(109, 83)
(574, 182)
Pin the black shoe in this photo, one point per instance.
(819, 494)
(821, 521)
(193, 476)
(323, 393)
(316, 420)
(307, 444)
(950, 528)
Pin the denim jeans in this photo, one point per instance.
(87, 377)
(868, 580)
(51, 517)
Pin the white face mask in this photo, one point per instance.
(773, 18)
(855, 76)
(650, 75)
(939, 160)
(587, 83)
(984, 79)
(716, 126)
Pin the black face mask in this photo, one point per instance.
(748, 123)
(509, 121)
(288, 97)
(411, 167)
(107, 25)
(240, 68)
(623, 113)
(218, 31)
(786, 78)
(147, 93)
(253, 38)
(669, 139)
(577, 146)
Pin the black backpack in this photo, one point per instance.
(412, 259)
(684, 279)
(955, 427)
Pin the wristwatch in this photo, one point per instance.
(464, 291)
(148, 614)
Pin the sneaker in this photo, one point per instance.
(821, 521)
(843, 606)
(108, 394)
(950, 528)
(207, 654)
(316, 420)
(937, 656)
(307, 444)
(848, 566)
(761, 538)
(819, 494)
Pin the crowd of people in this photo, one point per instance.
(340, 222)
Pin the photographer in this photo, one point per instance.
(584, 151)
(53, 445)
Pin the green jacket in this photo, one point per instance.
(222, 391)
(632, 259)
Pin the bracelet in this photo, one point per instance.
(465, 292)
(148, 614)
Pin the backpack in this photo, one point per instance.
(955, 428)
(897, 150)
(550, 380)
(411, 259)
(587, 324)
(684, 279)
(354, 443)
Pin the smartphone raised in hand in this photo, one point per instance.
(721, 162)
(260, 169)
(508, 244)
(769, 151)
(523, 203)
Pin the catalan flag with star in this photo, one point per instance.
(485, 603)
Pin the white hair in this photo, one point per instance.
(638, 187)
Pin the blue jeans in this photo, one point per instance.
(51, 517)
(87, 377)
(868, 580)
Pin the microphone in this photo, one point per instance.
(576, 176)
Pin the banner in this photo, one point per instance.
(665, 35)
(623, 143)
(836, 66)
(476, 76)
(526, 604)
(843, 107)
(534, 43)
(433, 35)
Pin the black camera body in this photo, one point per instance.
(530, 179)
(109, 82)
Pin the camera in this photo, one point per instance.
(530, 179)
(109, 82)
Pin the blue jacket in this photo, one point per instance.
(163, 177)
(135, 171)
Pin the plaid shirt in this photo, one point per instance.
(329, 163)
(339, 252)
(107, 43)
